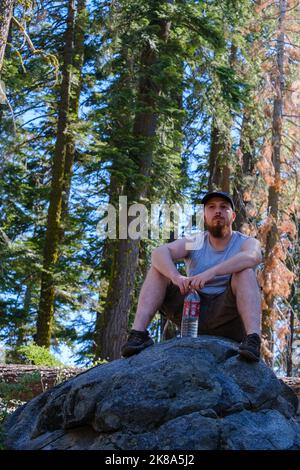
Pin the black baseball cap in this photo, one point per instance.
(222, 194)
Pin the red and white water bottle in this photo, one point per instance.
(190, 314)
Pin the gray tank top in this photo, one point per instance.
(200, 260)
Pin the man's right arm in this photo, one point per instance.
(163, 259)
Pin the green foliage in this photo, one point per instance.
(98, 362)
(234, 91)
(38, 356)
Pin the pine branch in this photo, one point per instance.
(26, 36)
(292, 122)
(291, 138)
(50, 57)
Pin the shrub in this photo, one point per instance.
(38, 356)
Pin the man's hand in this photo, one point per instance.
(182, 282)
(199, 281)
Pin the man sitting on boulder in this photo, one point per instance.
(223, 273)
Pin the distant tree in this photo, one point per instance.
(52, 238)
(274, 188)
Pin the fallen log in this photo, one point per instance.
(23, 382)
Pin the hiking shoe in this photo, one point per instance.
(250, 347)
(136, 342)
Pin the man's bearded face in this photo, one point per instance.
(219, 216)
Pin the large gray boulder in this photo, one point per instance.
(189, 394)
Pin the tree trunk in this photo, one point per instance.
(107, 271)
(219, 171)
(215, 176)
(219, 156)
(78, 59)
(114, 320)
(6, 9)
(53, 230)
(242, 171)
(289, 359)
(274, 189)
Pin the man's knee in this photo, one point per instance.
(246, 274)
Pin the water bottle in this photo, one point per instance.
(190, 314)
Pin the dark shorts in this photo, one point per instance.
(219, 315)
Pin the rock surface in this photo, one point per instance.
(189, 394)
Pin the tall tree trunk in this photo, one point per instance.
(219, 171)
(78, 59)
(289, 358)
(274, 189)
(107, 272)
(243, 170)
(219, 155)
(215, 176)
(51, 246)
(6, 9)
(4, 50)
(114, 320)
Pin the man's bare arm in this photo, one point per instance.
(163, 259)
(249, 256)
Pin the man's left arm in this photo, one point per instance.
(249, 257)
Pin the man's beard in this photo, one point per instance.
(217, 231)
